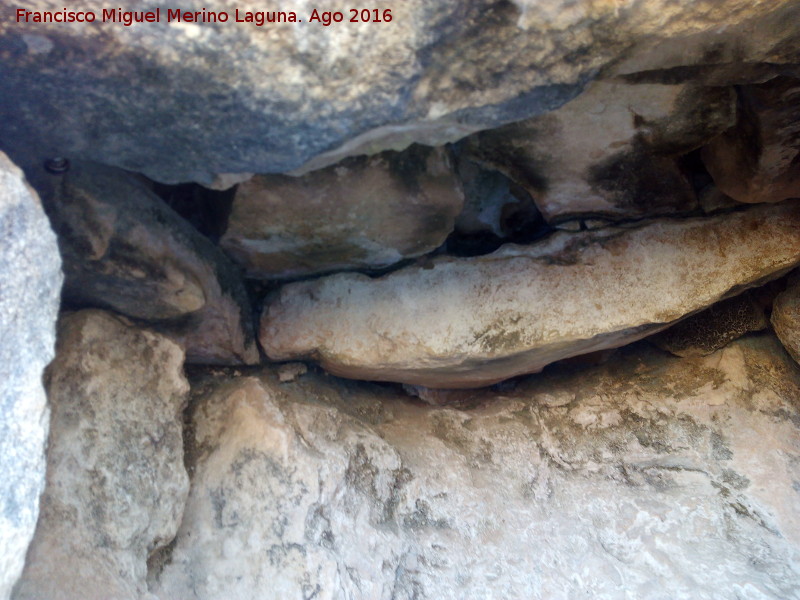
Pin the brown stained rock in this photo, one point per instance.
(126, 250)
(713, 328)
(366, 212)
(786, 317)
(116, 483)
(611, 151)
(652, 476)
(759, 159)
(470, 322)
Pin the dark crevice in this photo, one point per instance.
(206, 209)
(695, 171)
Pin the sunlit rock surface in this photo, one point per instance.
(30, 287)
(116, 484)
(650, 477)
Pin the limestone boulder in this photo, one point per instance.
(757, 160)
(126, 250)
(650, 477)
(30, 286)
(363, 213)
(786, 317)
(612, 151)
(116, 483)
(468, 322)
(268, 97)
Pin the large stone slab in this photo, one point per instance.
(612, 151)
(30, 286)
(475, 321)
(116, 484)
(758, 160)
(250, 99)
(126, 250)
(365, 212)
(786, 317)
(650, 477)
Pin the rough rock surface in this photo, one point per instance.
(365, 212)
(612, 150)
(116, 483)
(475, 321)
(125, 249)
(713, 328)
(759, 159)
(651, 477)
(249, 99)
(30, 284)
(786, 317)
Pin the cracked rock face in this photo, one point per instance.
(30, 289)
(460, 323)
(650, 477)
(248, 99)
(366, 212)
(116, 483)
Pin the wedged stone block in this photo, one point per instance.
(475, 321)
(363, 213)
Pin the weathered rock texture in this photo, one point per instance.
(475, 321)
(30, 282)
(362, 213)
(116, 484)
(713, 328)
(651, 477)
(786, 317)
(125, 249)
(611, 151)
(268, 99)
(759, 159)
